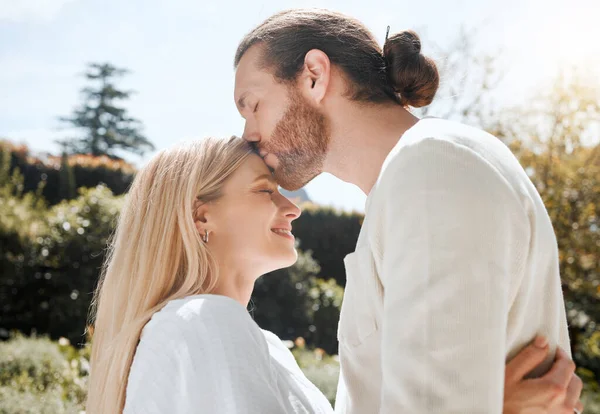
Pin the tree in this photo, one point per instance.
(66, 183)
(469, 78)
(107, 126)
(557, 141)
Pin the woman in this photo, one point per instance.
(201, 223)
(200, 218)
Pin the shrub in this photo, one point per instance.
(325, 305)
(293, 303)
(321, 369)
(36, 375)
(280, 299)
(51, 266)
(48, 402)
(71, 254)
(330, 234)
(83, 171)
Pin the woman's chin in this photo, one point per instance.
(284, 260)
(293, 257)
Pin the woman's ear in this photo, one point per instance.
(202, 217)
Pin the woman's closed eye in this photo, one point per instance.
(267, 190)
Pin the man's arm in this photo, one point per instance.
(451, 232)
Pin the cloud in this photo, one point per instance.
(30, 10)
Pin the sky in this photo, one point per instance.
(180, 54)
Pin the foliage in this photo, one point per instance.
(40, 376)
(107, 127)
(62, 176)
(66, 181)
(330, 234)
(556, 144)
(587, 353)
(294, 303)
(321, 369)
(590, 396)
(29, 402)
(469, 77)
(326, 302)
(51, 261)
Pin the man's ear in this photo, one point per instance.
(315, 76)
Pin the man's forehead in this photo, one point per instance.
(252, 57)
(248, 84)
(250, 72)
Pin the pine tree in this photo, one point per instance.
(107, 126)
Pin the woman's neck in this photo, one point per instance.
(235, 285)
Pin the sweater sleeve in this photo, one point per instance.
(213, 362)
(450, 232)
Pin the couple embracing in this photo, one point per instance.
(453, 300)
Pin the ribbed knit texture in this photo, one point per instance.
(456, 269)
(205, 354)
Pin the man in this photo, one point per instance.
(456, 265)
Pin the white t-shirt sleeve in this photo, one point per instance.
(450, 231)
(212, 362)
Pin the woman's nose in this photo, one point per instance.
(290, 210)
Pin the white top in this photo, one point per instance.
(205, 354)
(455, 270)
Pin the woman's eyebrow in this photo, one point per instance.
(268, 177)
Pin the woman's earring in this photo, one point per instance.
(205, 237)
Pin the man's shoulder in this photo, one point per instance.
(434, 140)
(443, 156)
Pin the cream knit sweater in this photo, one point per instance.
(456, 269)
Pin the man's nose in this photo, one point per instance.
(250, 134)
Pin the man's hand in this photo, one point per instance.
(557, 392)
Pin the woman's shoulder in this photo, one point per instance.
(198, 343)
(274, 340)
(203, 317)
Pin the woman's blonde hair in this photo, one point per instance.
(156, 255)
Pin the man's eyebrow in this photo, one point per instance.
(242, 100)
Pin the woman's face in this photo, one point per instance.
(250, 224)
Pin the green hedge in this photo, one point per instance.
(330, 234)
(50, 261)
(295, 303)
(83, 171)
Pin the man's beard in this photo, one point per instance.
(299, 141)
